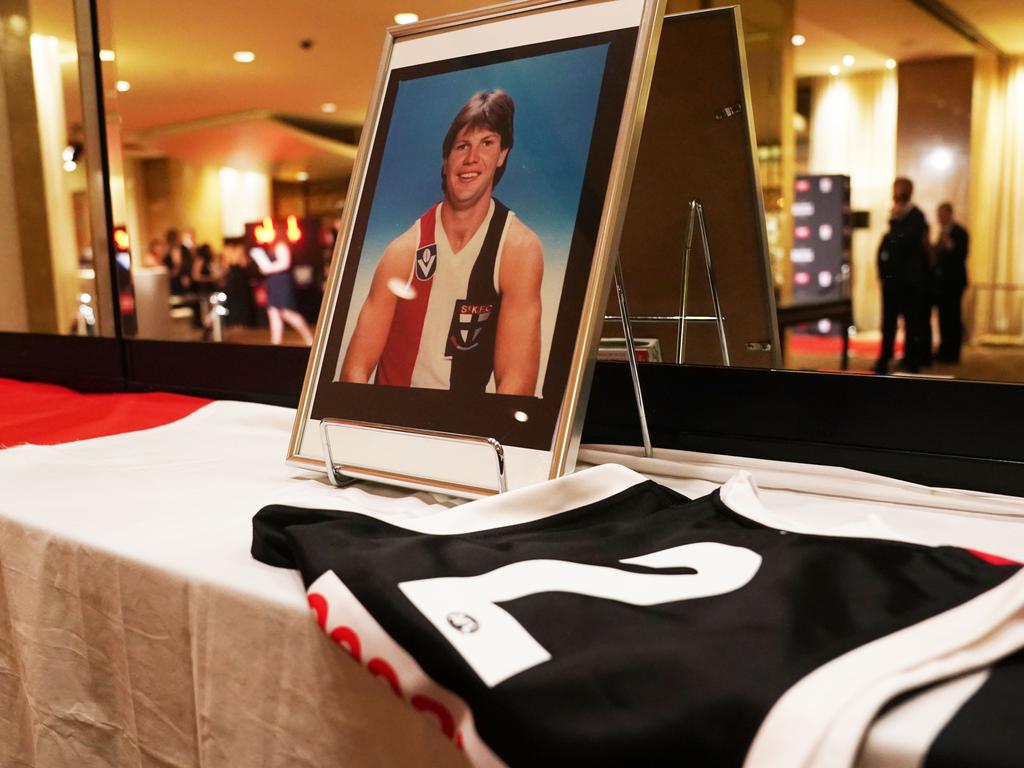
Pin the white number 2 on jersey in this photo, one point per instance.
(497, 647)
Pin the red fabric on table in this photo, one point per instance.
(47, 414)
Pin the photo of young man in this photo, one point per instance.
(455, 300)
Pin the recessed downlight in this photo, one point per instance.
(107, 55)
(406, 18)
(940, 159)
(848, 60)
(329, 107)
(244, 57)
(890, 63)
(834, 69)
(798, 40)
(302, 176)
(123, 86)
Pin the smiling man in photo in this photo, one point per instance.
(455, 299)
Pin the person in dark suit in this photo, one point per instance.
(949, 279)
(903, 277)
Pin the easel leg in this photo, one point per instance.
(684, 284)
(713, 284)
(627, 330)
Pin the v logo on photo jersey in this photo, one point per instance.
(426, 262)
(464, 609)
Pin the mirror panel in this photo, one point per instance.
(211, 146)
(697, 146)
(916, 98)
(51, 281)
(221, 122)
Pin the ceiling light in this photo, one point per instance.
(123, 86)
(106, 55)
(329, 107)
(848, 60)
(834, 69)
(406, 18)
(940, 159)
(70, 165)
(890, 63)
(302, 176)
(798, 40)
(18, 24)
(244, 57)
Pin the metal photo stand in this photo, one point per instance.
(681, 319)
(340, 477)
(344, 475)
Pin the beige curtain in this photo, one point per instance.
(48, 85)
(997, 195)
(853, 132)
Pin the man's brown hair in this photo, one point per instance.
(908, 187)
(492, 109)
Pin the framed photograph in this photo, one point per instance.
(477, 245)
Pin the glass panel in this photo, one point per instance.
(932, 265)
(46, 257)
(221, 123)
(842, 106)
(232, 121)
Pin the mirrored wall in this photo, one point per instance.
(229, 130)
(223, 126)
(51, 281)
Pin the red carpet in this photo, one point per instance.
(46, 414)
(812, 344)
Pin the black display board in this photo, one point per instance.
(821, 238)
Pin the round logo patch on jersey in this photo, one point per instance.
(463, 622)
(426, 262)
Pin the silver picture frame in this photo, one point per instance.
(410, 463)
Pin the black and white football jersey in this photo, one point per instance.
(975, 719)
(603, 619)
(988, 729)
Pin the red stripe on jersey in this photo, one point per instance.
(992, 559)
(403, 344)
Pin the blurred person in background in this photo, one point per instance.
(188, 238)
(155, 254)
(949, 280)
(178, 260)
(206, 274)
(239, 275)
(903, 267)
(282, 306)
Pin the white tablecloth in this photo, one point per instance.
(136, 630)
